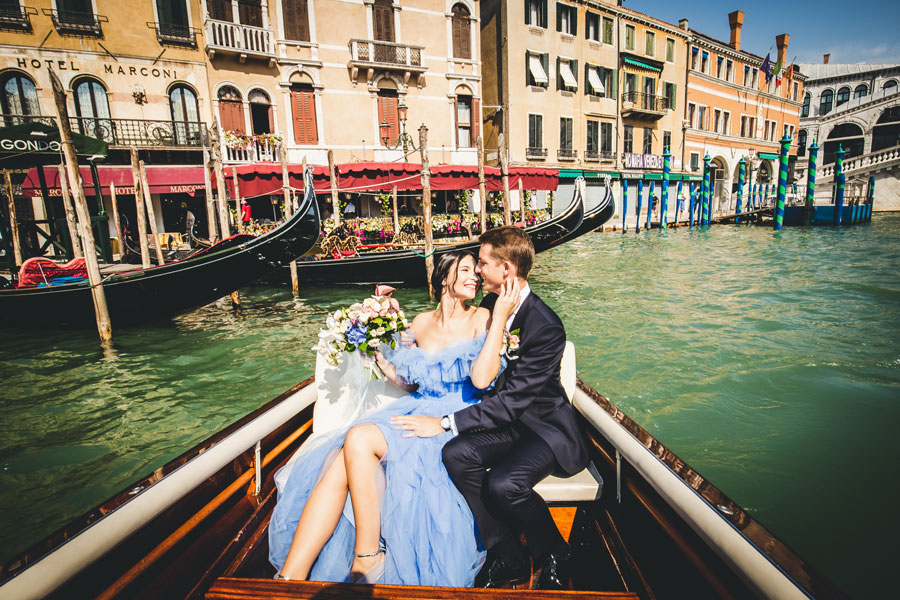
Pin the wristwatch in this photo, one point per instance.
(445, 423)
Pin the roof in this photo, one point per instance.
(709, 38)
(823, 71)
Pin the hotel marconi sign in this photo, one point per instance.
(108, 68)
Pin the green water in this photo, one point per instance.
(768, 362)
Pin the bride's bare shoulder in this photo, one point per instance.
(422, 321)
(482, 319)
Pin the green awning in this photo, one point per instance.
(32, 144)
(653, 176)
(641, 64)
(769, 155)
(570, 173)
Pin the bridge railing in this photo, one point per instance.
(863, 162)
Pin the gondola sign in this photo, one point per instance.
(35, 143)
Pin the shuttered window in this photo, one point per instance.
(250, 12)
(462, 46)
(387, 113)
(296, 20)
(231, 110)
(565, 133)
(303, 109)
(220, 10)
(383, 20)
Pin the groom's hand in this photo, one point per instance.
(418, 425)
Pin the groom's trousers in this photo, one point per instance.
(503, 499)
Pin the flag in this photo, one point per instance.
(778, 66)
(766, 68)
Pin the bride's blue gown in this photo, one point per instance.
(426, 524)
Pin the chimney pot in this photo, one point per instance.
(735, 21)
(683, 23)
(781, 41)
(825, 59)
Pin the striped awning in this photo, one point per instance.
(640, 64)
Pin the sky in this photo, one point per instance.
(852, 32)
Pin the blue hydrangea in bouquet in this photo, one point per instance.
(362, 327)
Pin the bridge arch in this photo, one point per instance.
(886, 132)
(850, 136)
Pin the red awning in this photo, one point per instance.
(162, 179)
(264, 179)
(465, 177)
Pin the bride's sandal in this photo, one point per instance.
(374, 574)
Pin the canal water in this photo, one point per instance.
(769, 362)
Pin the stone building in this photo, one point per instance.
(733, 112)
(351, 77)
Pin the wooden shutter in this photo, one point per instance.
(383, 20)
(303, 108)
(220, 10)
(250, 12)
(462, 47)
(475, 118)
(231, 113)
(296, 20)
(387, 113)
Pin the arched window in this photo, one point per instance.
(260, 112)
(19, 97)
(231, 110)
(185, 115)
(848, 136)
(861, 91)
(92, 108)
(886, 133)
(826, 101)
(843, 96)
(804, 112)
(801, 143)
(890, 86)
(462, 45)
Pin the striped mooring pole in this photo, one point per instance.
(811, 182)
(742, 173)
(704, 192)
(678, 201)
(664, 195)
(691, 202)
(637, 210)
(840, 179)
(782, 181)
(650, 202)
(624, 204)
(870, 198)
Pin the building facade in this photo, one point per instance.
(734, 111)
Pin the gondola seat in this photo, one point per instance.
(337, 403)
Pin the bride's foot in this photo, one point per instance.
(367, 568)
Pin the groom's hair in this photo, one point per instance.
(513, 244)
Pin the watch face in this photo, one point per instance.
(445, 423)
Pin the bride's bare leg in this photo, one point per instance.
(318, 521)
(364, 447)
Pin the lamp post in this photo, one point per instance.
(404, 140)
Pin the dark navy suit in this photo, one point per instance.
(523, 429)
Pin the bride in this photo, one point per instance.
(405, 522)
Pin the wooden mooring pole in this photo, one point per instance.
(141, 211)
(210, 201)
(151, 214)
(335, 201)
(13, 220)
(289, 210)
(101, 311)
(426, 209)
(222, 189)
(482, 188)
(70, 212)
(504, 174)
(120, 237)
(237, 200)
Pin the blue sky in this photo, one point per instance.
(857, 31)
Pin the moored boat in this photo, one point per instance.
(166, 290)
(641, 522)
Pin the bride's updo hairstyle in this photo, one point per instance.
(445, 269)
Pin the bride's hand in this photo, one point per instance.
(418, 425)
(507, 300)
(389, 370)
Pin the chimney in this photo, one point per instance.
(825, 59)
(782, 42)
(736, 21)
(683, 23)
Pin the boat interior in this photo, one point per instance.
(200, 530)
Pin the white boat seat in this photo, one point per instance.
(586, 485)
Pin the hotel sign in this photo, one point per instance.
(108, 68)
(643, 161)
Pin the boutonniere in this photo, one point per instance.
(510, 344)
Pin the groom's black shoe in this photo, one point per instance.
(555, 571)
(496, 573)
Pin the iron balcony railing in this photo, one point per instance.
(535, 152)
(143, 133)
(567, 154)
(386, 54)
(170, 33)
(647, 102)
(76, 23)
(245, 40)
(16, 17)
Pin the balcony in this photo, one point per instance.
(372, 55)
(644, 106)
(598, 155)
(70, 22)
(16, 18)
(535, 153)
(124, 133)
(567, 154)
(256, 150)
(170, 34)
(242, 40)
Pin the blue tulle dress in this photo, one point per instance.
(426, 524)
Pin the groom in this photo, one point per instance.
(523, 430)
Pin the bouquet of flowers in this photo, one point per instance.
(362, 327)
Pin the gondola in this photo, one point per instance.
(408, 265)
(596, 216)
(166, 290)
(641, 522)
